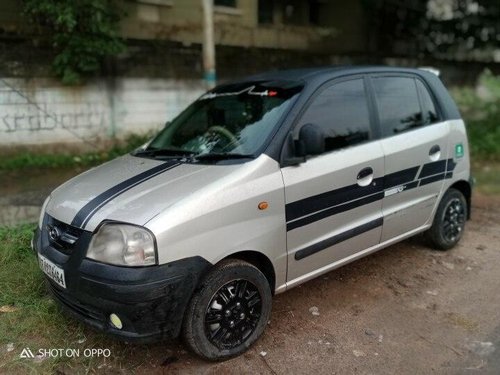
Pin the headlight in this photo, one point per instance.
(42, 212)
(123, 245)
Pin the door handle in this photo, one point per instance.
(435, 153)
(365, 173)
(434, 150)
(365, 176)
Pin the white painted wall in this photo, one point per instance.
(37, 111)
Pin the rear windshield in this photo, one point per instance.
(231, 119)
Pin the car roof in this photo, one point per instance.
(314, 78)
(327, 72)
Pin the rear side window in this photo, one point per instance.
(398, 104)
(429, 113)
(341, 111)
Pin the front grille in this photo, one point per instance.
(79, 308)
(61, 236)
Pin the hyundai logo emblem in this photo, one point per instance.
(53, 233)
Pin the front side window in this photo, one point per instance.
(399, 106)
(234, 119)
(341, 111)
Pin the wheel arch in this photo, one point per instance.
(259, 260)
(466, 189)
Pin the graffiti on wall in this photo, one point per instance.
(86, 116)
(41, 110)
(48, 111)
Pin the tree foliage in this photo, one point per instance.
(464, 29)
(470, 28)
(82, 32)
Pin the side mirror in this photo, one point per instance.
(311, 142)
(312, 139)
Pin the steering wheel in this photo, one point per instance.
(225, 133)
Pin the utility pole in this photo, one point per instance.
(209, 72)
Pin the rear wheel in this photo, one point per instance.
(449, 221)
(229, 312)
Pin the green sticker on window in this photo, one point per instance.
(459, 150)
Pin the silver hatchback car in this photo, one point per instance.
(258, 186)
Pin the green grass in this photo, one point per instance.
(59, 160)
(37, 322)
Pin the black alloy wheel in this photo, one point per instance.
(228, 311)
(233, 314)
(454, 220)
(449, 221)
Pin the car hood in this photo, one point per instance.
(130, 189)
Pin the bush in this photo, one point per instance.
(83, 32)
(480, 108)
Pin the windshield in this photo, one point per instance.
(231, 120)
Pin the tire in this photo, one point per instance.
(228, 312)
(449, 222)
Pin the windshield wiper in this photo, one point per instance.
(163, 152)
(222, 156)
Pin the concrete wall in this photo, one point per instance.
(38, 111)
(181, 21)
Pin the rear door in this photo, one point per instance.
(415, 145)
(334, 200)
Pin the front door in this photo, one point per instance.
(334, 200)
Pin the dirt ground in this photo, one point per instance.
(404, 310)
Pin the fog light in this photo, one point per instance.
(115, 321)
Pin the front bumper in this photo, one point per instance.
(150, 301)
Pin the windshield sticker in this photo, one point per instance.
(248, 90)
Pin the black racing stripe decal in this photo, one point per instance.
(335, 197)
(411, 185)
(400, 177)
(344, 236)
(450, 167)
(86, 212)
(330, 198)
(433, 168)
(334, 210)
(318, 207)
(429, 180)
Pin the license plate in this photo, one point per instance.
(51, 270)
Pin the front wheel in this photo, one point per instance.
(229, 312)
(449, 221)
